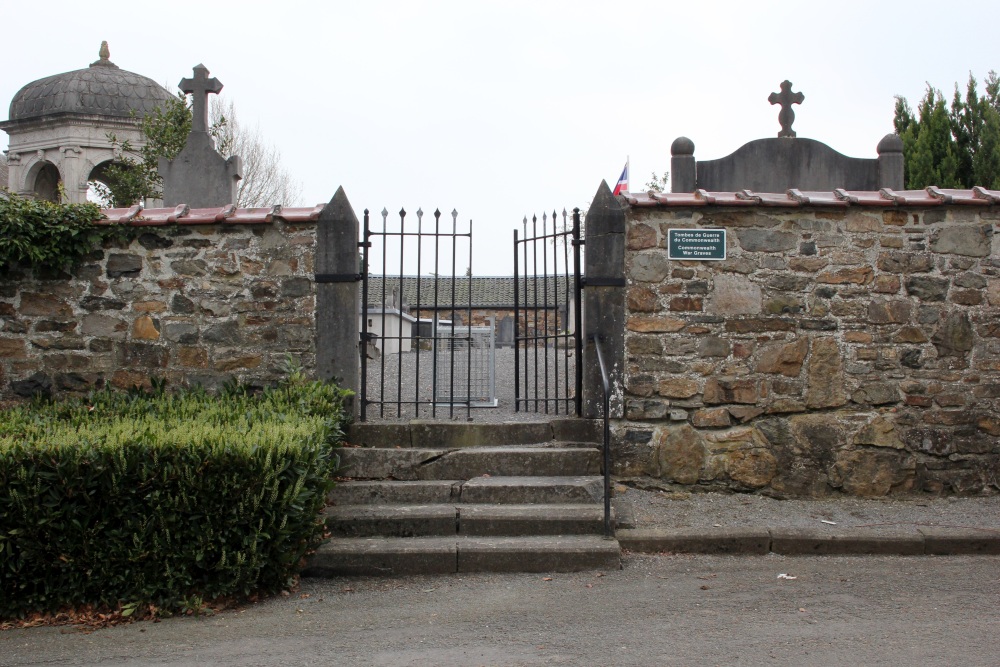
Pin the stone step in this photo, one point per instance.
(534, 490)
(429, 434)
(441, 555)
(480, 520)
(393, 492)
(428, 464)
(495, 490)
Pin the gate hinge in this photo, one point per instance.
(337, 277)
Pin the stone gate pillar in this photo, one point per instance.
(337, 341)
(604, 301)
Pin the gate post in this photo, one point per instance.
(604, 301)
(337, 340)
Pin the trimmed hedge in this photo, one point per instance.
(163, 499)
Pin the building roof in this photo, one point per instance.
(487, 291)
(932, 196)
(102, 89)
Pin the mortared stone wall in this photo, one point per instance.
(836, 349)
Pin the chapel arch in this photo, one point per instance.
(44, 181)
(96, 179)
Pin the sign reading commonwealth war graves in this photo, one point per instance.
(696, 244)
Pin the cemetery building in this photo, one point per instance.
(58, 127)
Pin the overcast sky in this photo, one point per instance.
(501, 109)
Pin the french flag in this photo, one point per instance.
(622, 182)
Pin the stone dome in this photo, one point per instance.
(102, 89)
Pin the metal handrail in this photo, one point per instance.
(608, 532)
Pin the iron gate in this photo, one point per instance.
(425, 359)
(548, 343)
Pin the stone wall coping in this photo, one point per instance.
(185, 215)
(839, 198)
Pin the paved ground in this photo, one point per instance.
(658, 610)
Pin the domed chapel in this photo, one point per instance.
(59, 126)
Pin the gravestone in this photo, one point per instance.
(505, 332)
(199, 176)
(786, 162)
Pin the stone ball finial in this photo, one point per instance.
(891, 143)
(682, 146)
(105, 57)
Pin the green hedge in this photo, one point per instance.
(161, 499)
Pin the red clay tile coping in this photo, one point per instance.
(185, 215)
(932, 196)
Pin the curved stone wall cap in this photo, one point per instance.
(891, 143)
(682, 146)
(102, 89)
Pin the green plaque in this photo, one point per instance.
(696, 244)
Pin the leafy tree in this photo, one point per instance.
(134, 175)
(658, 183)
(956, 147)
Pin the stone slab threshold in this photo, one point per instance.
(447, 555)
(900, 540)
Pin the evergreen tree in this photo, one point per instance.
(956, 147)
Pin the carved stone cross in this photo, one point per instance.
(786, 98)
(199, 87)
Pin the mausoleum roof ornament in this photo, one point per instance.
(102, 89)
(786, 98)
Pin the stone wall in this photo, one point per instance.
(851, 350)
(190, 304)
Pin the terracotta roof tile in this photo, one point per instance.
(184, 215)
(206, 216)
(301, 214)
(992, 195)
(839, 198)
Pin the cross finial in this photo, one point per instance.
(786, 98)
(199, 87)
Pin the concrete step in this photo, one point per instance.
(442, 555)
(428, 464)
(445, 519)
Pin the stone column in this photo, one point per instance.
(604, 301)
(890, 162)
(683, 170)
(337, 341)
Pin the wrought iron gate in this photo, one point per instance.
(548, 327)
(424, 359)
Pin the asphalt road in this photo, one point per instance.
(659, 610)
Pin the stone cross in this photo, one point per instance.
(786, 98)
(199, 87)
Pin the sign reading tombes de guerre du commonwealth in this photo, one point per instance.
(696, 244)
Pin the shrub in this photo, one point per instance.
(162, 498)
(44, 235)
